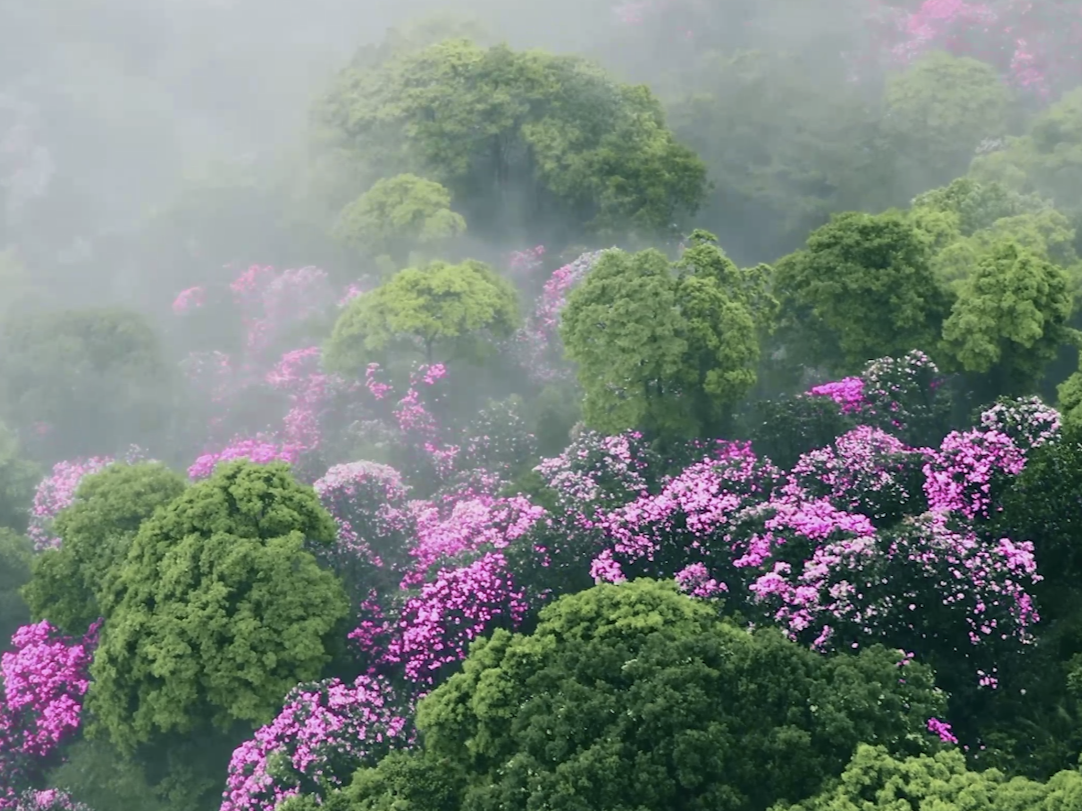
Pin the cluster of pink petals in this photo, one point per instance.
(299, 374)
(368, 502)
(848, 393)
(258, 451)
(473, 524)
(45, 677)
(56, 492)
(48, 800)
(597, 471)
(325, 731)
(457, 606)
(539, 339)
(960, 476)
(190, 299)
(863, 470)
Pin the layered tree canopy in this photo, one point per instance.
(521, 139)
(440, 311)
(220, 609)
(670, 349)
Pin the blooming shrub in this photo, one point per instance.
(259, 451)
(968, 470)
(49, 800)
(865, 471)
(368, 502)
(45, 677)
(325, 731)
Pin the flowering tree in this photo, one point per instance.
(45, 677)
(324, 732)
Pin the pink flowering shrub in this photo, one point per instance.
(597, 472)
(968, 471)
(457, 606)
(57, 491)
(1033, 44)
(49, 800)
(1026, 420)
(848, 393)
(538, 340)
(471, 525)
(325, 731)
(903, 396)
(259, 451)
(368, 502)
(45, 677)
(865, 471)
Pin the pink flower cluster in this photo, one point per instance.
(458, 605)
(596, 471)
(539, 339)
(259, 451)
(368, 503)
(45, 678)
(848, 393)
(473, 523)
(942, 729)
(1026, 420)
(190, 299)
(325, 732)
(1032, 45)
(299, 374)
(49, 800)
(57, 492)
(961, 476)
(822, 571)
(865, 471)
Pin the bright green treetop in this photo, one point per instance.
(1010, 318)
(863, 288)
(939, 110)
(444, 309)
(219, 610)
(96, 532)
(876, 781)
(666, 349)
(524, 140)
(399, 214)
(634, 697)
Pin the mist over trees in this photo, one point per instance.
(463, 405)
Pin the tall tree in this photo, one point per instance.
(520, 138)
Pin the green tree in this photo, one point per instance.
(634, 696)
(937, 112)
(861, 289)
(397, 215)
(876, 781)
(220, 609)
(1010, 318)
(96, 377)
(1046, 160)
(670, 350)
(455, 309)
(773, 182)
(523, 140)
(15, 555)
(18, 478)
(96, 532)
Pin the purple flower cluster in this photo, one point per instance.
(596, 472)
(539, 339)
(45, 678)
(848, 393)
(964, 473)
(368, 503)
(56, 492)
(258, 451)
(458, 605)
(325, 731)
(49, 800)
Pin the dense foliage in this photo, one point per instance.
(680, 409)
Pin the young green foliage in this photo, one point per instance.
(220, 609)
(440, 311)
